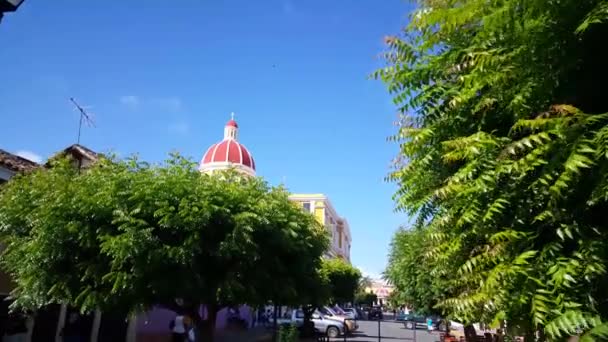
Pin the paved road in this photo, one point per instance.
(390, 332)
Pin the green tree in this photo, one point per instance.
(126, 235)
(364, 283)
(366, 298)
(343, 279)
(503, 162)
(408, 271)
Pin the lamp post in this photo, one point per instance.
(9, 6)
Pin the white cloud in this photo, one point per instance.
(172, 104)
(130, 101)
(181, 128)
(29, 155)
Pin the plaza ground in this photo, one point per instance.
(390, 331)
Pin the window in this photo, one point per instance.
(299, 314)
(306, 206)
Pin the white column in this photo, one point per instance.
(96, 325)
(132, 329)
(61, 322)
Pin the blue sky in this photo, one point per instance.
(161, 76)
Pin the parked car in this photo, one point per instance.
(352, 313)
(375, 313)
(351, 325)
(331, 327)
(418, 321)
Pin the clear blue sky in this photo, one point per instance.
(164, 75)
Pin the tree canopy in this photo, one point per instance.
(127, 235)
(342, 279)
(503, 162)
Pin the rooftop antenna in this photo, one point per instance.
(84, 116)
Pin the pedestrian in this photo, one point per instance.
(191, 331)
(429, 324)
(178, 328)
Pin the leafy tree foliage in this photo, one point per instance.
(128, 235)
(364, 283)
(366, 298)
(408, 270)
(343, 279)
(504, 162)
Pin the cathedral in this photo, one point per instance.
(230, 153)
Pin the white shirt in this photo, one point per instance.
(179, 325)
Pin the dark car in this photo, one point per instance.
(375, 313)
(417, 321)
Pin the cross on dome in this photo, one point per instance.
(231, 128)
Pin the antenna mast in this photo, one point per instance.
(84, 116)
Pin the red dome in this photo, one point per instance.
(228, 150)
(232, 123)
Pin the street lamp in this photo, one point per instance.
(9, 6)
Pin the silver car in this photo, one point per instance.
(323, 324)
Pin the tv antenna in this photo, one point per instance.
(84, 117)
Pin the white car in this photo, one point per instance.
(323, 324)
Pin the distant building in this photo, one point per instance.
(338, 228)
(382, 289)
(12, 164)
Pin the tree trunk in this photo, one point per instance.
(308, 328)
(469, 333)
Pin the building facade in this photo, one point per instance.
(320, 206)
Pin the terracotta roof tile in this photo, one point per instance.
(15, 163)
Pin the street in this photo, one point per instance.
(390, 331)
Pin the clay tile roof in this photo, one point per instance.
(15, 163)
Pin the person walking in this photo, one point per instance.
(178, 329)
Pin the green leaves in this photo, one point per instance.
(503, 145)
(127, 235)
(343, 279)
